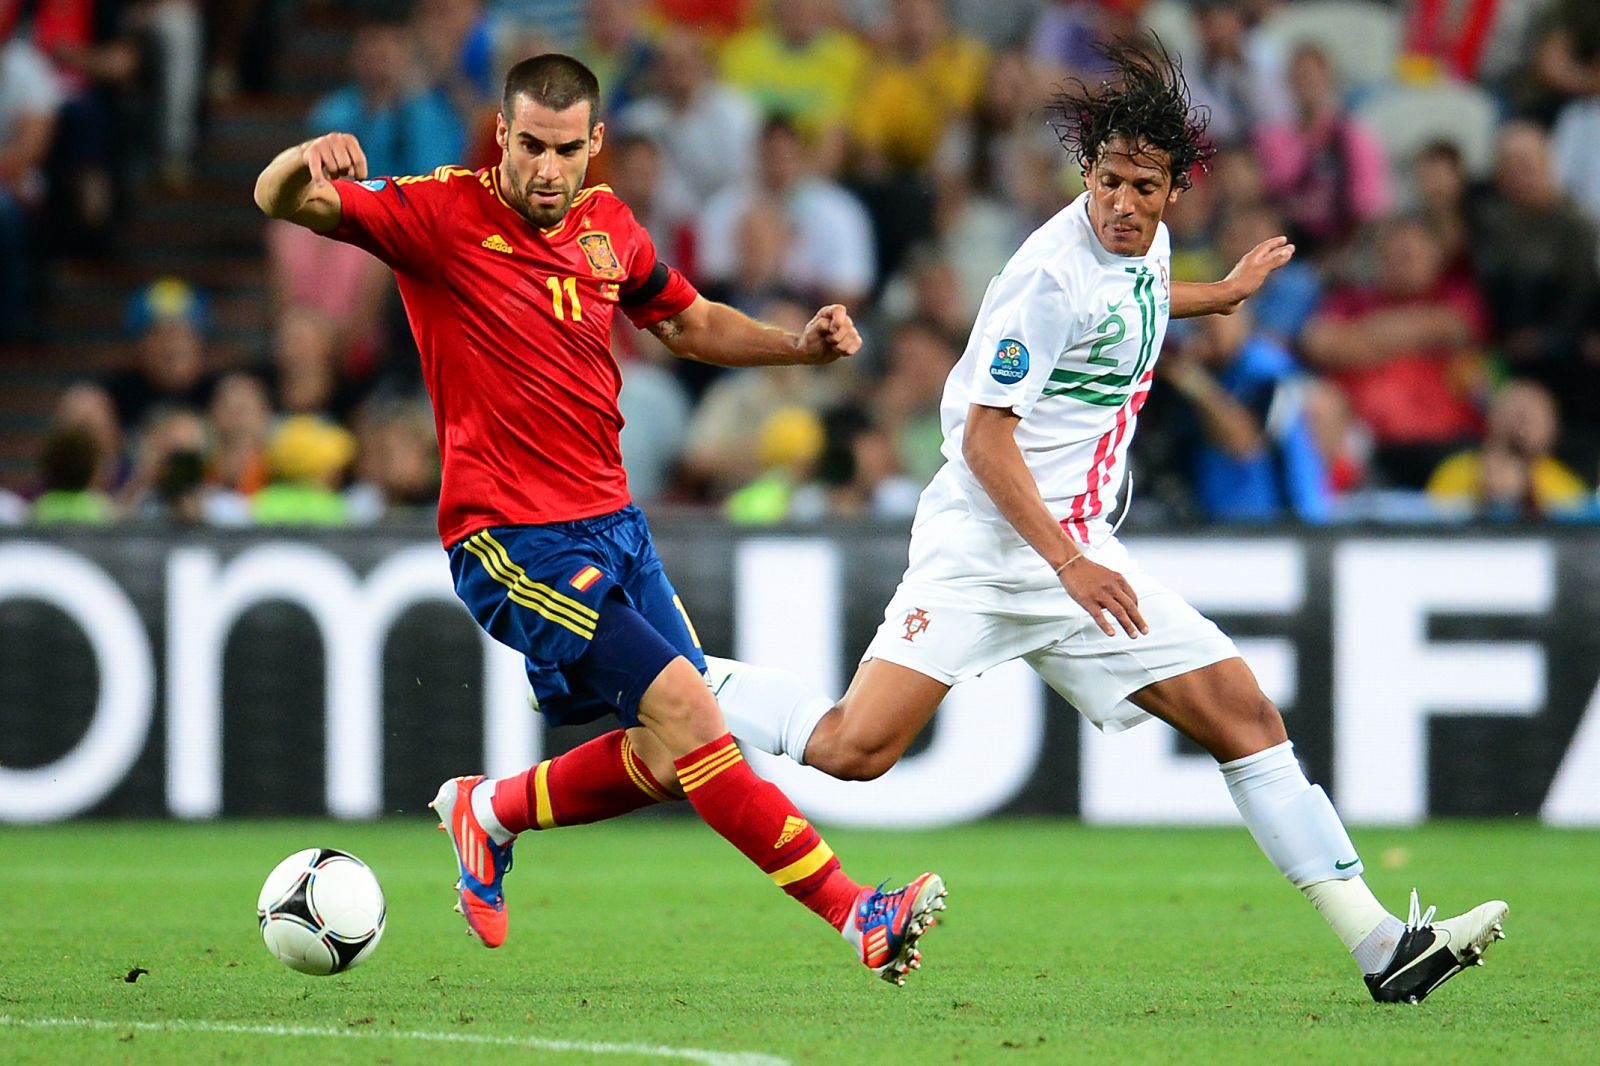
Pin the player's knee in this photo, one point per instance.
(682, 707)
(855, 750)
(689, 710)
(1265, 720)
(856, 762)
(864, 767)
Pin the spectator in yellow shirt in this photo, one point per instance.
(796, 64)
(1513, 475)
(928, 78)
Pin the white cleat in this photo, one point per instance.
(1430, 953)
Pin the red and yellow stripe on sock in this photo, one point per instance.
(801, 859)
(808, 871)
(640, 774)
(790, 852)
(705, 768)
(544, 813)
(598, 779)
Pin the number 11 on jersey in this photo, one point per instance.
(560, 304)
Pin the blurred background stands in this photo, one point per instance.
(166, 352)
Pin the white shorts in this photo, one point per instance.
(976, 595)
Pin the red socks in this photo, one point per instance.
(758, 819)
(605, 778)
(594, 781)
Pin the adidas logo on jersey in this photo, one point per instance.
(496, 243)
(792, 827)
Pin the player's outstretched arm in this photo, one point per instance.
(715, 333)
(989, 446)
(1190, 299)
(298, 184)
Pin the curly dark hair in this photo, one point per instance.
(1146, 101)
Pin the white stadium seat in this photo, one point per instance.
(1406, 118)
(1361, 38)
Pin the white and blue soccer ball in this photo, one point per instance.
(321, 911)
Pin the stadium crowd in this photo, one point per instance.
(1432, 353)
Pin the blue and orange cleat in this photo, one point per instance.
(887, 925)
(480, 861)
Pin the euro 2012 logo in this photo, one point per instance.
(1010, 362)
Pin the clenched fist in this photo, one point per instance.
(334, 155)
(830, 335)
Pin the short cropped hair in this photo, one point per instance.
(1146, 101)
(552, 80)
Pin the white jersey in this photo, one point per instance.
(1067, 338)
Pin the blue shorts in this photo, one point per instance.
(540, 589)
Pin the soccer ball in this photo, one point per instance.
(321, 911)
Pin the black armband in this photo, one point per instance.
(648, 289)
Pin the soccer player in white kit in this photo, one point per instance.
(1013, 556)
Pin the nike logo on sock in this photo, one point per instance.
(1346, 865)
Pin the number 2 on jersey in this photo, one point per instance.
(559, 304)
(1114, 329)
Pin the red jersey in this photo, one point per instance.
(1422, 396)
(514, 326)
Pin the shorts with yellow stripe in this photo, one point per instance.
(541, 590)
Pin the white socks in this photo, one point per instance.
(1290, 818)
(772, 710)
(483, 810)
(1298, 829)
(1370, 932)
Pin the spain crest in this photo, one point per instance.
(597, 249)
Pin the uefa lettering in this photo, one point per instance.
(123, 708)
(206, 597)
(1480, 641)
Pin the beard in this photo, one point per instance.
(542, 213)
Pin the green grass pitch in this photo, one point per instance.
(1063, 944)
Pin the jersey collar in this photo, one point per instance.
(554, 231)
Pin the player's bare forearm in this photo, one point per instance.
(711, 332)
(298, 184)
(1191, 299)
(281, 187)
(989, 446)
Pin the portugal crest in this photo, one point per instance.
(916, 622)
(597, 249)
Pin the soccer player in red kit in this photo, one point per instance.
(511, 277)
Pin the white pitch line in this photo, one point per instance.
(710, 1058)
